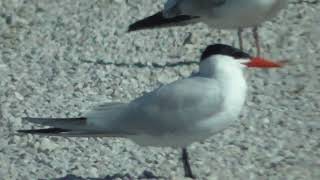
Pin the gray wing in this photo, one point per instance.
(173, 8)
(179, 105)
(171, 3)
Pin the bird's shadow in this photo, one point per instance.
(145, 175)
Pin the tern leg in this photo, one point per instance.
(256, 39)
(186, 164)
(240, 30)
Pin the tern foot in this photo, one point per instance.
(186, 165)
(240, 30)
(256, 40)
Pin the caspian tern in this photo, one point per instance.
(176, 114)
(222, 14)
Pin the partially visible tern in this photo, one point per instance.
(176, 114)
(222, 14)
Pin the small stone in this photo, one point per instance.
(118, 1)
(213, 177)
(48, 145)
(16, 139)
(266, 121)
(19, 96)
(93, 172)
(3, 66)
(36, 145)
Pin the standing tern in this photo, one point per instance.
(222, 14)
(176, 114)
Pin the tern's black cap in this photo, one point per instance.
(223, 49)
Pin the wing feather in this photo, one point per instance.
(173, 8)
(179, 105)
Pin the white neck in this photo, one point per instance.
(229, 74)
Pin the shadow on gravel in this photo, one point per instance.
(144, 175)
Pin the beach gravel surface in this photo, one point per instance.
(61, 58)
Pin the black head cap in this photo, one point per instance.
(222, 49)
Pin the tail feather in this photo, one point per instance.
(71, 127)
(68, 133)
(58, 122)
(159, 21)
(44, 131)
(59, 126)
(94, 124)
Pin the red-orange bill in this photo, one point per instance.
(259, 62)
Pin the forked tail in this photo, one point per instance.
(96, 123)
(60, 126)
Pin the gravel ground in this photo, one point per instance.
(60, 58)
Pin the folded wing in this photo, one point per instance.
(177, 106)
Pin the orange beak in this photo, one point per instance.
(258, 62)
